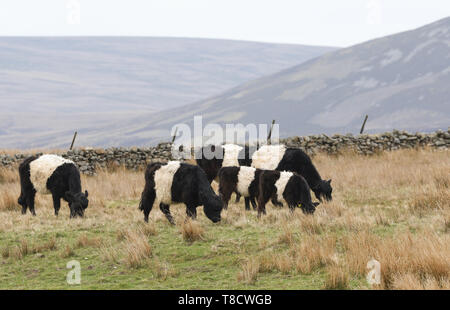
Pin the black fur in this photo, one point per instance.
(296, 160)
(211, 166)
(189, 186)
(228, 180)
(64, 183)
(295, 193)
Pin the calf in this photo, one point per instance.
(177, 182)
(55, 175)
(284, 186)
(242, 180)
(281, 158)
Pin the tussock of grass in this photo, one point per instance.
(85, 241)
(431, 199)
(8, 175)
(191, 231)
(67, 252)
(8, 201)
(249, 272)
(108, 253)
(337, 278)
(163, 270)
(137, 249)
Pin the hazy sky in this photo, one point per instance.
(319, 22)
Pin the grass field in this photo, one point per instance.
(393, 207)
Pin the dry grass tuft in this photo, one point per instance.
(109, 254)
(249, 272)
(148, 229)
(191, 231)
(163, 270)
(8, 175)
(423, 202)
(67, 252)
(8, 201)
(287, 237)
(311, 253)
(85, 241)
(337, 278)
(49, 245)
(311, 224)
(137, 249)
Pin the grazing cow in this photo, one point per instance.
(281, 158)
(242, 180)
(284, 186)
(177, 182)
(55, 175)
(213, 157)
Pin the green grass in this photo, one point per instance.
(211, 263)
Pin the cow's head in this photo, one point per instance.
(323, 190)
(213, 208)
(78, 203)
(309, 208)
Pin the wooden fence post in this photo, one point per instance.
(73, 140)
(174, 135)
(269, 137)
(364, 124)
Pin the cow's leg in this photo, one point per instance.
(147, 201)
(191, 211)
(23, 202)
(276, 202)
(166, 210)
(30, 202)
(247, 203)
(262, 200)
(56, 203)
(238, 197)
(253, 202)
(225, 195)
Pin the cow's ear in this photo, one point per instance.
(329, 181)
(86, 194)
(69, 196)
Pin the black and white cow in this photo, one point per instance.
(286, 187)
(55, 175)
(213, 157)
(281, 158)
(177, 182)
(242, 180)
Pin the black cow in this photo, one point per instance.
(213, 157)
(177, 182)
(281, 158)
(241, 180)
(55, 175)
(284, 186)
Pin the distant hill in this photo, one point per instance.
(53, 84)
(401, 81)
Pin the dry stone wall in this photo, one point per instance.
(89, 159)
